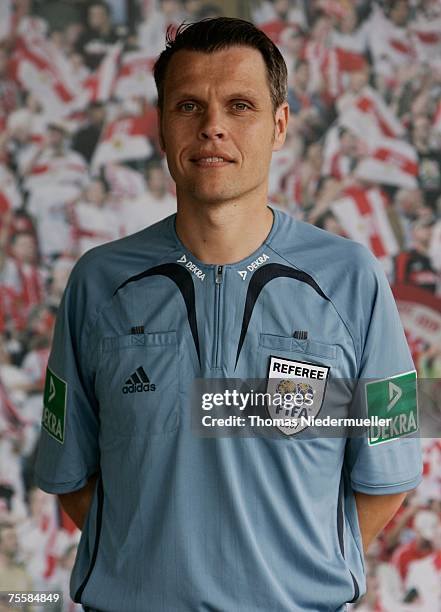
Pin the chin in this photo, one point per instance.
(214, 196)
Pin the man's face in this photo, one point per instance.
(24, 248)
(358, 80)
(281, 7)
(98, 17)
(349, 144)
(55, 138)
(422, 236)
(400, 13)
(97, 114)
(349, 20)
(408, 202)
(8, 542)
(421, 130)
(96, 192)
(217, 125)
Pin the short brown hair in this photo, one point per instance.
(215, 34)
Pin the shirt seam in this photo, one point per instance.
(385, 486)
(330, 300)
(57, 483)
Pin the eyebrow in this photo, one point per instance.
(238, 95)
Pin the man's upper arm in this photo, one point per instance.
(388, 460)
(68, 447)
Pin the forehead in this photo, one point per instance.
(230, 68)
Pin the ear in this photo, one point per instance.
(159, 125)
(281, 123)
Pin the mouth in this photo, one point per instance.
(213, 161)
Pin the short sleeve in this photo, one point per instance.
(385, 460)
(68, 452)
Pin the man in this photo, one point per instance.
(176, 521)
(94, 221)
(152, 205)
(414, 266)
(99, 36)
(86, 138)
(429, 162)
(21, 276)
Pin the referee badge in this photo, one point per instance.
(297, 390)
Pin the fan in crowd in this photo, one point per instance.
(81, 164)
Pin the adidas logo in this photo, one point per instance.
(138, 382)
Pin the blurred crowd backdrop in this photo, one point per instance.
(80, 164)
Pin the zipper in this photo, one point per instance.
(218, 280)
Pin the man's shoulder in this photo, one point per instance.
(347, 273)
(102, 269)
(320, 252)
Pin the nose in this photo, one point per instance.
(212, 126)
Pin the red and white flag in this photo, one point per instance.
(125, 183)
(282, 164)
(50, 171)
(324, 69)
(135, 76)
(390, 45)
(123, 139)
(371, 105)
(390, 161)
(100, 85)
(426, 36)
(41, 69)
(10, 197)
(420, 313)
(399, 49)
(350, 60)
(363, 215)
(317, 56)
(45, 87)
(349, 51)
(93, 225)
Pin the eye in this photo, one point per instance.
(241, 106)
(187, 107)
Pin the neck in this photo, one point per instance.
(223, 234)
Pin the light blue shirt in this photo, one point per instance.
(184, 523)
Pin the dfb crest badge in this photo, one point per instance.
(297, 390)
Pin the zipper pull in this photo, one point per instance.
(219, 274)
